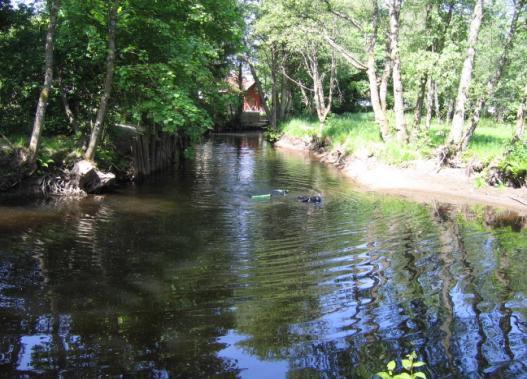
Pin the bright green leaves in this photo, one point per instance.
(409, 365)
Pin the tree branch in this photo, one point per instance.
(343, 16)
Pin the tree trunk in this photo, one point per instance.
(260, 90)
(520, 117)
(456, 132)
(424, 77)
(274, 90)
(378, 112)
(437, 106)
(65, 103)
(239, 111)
(40, 113)
(429, 105)
(400, 123)
(491, 85)
(450, 110)
(110, 62)
(383, 87)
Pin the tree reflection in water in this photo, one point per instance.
(185, 276)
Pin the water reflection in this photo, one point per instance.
(185, 276)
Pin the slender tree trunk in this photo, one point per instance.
(260, 90)
(110, 62)
(274, 90)
(450, 110)
(239, 111)
(424, 77)
(40, 113)
(437, 106)
(456, 132)
(418, 112)
(65, 103)
(429, 101)
(400, 122)
(378, 112)
(383, 87)
(520, 117)
(493, 82)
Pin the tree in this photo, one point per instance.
(377, 92)
(493, 82)
(108, 81)
(456, 132)
(40, 113)
(398, 108)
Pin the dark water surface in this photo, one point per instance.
(186, 276)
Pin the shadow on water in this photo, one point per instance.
(186, 276)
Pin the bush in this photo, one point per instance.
(512, 168)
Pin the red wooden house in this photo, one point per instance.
(252, 99)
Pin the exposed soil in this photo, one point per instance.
(420, 181)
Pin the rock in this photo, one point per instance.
(86, 176)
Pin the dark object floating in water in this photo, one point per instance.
(310, 199)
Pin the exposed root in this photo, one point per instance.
(60, 184)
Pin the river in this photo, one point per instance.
(186, 276)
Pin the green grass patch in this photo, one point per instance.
(353, 133)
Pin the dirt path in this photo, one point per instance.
(419, 181)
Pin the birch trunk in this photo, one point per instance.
(400, 123)
(491, 85)
(108, 81)
(40, 113)
(456, 132)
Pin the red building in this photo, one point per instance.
(252, 99)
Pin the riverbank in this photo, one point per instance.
(419, 180)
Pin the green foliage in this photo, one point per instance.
(513, 166)
(409, 365)
(272, 135)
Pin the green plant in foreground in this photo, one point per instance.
(409, 365)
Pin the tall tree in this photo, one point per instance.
(493, 82)
(377, 91)
(40, 113)
(400, 122)
(456, 132)
(108, 81)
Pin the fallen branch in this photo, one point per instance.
(518, 200)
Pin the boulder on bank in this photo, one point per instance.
(89, 179)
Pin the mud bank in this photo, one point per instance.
(419, 181)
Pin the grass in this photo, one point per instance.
(358, 133)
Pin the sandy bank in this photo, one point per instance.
(420, 181)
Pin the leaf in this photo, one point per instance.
(419, 364)
(407, 364)
(404, 375)
(420, 375)
(384, 375)
(391, 365)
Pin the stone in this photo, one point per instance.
(86, 176)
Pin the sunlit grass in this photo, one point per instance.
(358, 132)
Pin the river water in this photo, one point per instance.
(186, 276)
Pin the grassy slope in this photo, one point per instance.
(352, 133)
